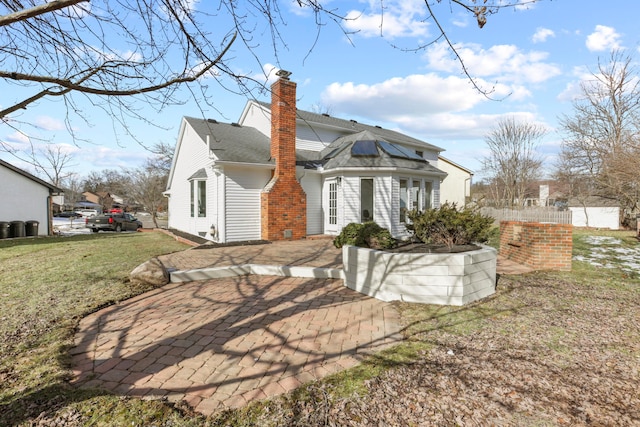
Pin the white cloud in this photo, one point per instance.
(49, 123)
(602, 39)
(462, 21)
(426, 93)
(522, 4)
(542, 34)
(573, 89)
(17, 140)
(425, 105)
(103, 157)
(503, 62)
(403, 18)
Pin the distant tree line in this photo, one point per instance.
(600, 154)
(140, 187)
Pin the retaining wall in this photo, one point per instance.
(446, 279)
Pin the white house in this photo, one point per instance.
(284, 173)
(25, 198)
(456, 187)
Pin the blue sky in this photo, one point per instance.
(534, 56)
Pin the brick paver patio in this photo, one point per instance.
(222, 343)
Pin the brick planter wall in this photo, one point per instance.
(541, 246)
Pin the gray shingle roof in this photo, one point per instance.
(199, 174)
(243, 144)
(338, 155)
(353, 126)
(232, 142)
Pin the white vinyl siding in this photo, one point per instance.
(312, 186)
(351, 197)
(193, 154)
(242, 202)
(456, 186)
(23, 200)
(383, 201)
(315, 139)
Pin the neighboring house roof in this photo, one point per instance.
(444, 159)
(52, 188)
(593, 201)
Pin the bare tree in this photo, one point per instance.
(107, 181)
(162, 157)
(116, 53)
(602, 141)
(513, 162)
(54, 161)
(146, 187)
(72, 186)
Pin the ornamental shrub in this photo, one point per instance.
(450, 226)
(366, 235)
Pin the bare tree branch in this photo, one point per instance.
(513, 162)
(602, 142)
(37, 11)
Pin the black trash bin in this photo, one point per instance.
(5, 229)
(31, 228)
(17, 229)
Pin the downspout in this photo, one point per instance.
(49, 214)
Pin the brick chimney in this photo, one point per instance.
(283, 201)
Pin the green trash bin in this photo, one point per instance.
(5, 229)
(17, 229)
(31, 228)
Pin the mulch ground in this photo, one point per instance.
(550, 353)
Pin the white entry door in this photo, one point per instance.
(330, 204)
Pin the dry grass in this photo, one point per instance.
(548, 349)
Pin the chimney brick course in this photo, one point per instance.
(283, 201)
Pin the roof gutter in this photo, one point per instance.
(371, 170)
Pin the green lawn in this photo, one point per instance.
(48, 284)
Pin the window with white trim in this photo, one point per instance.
(202, 199)
(198, 198)
(333, 202)
(404, 200)
(366, 199)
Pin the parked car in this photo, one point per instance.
(87, 213)
(68, 214)
(113, 222)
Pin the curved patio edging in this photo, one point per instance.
(264, 270)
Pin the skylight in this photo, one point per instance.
(395, 150)
(365, 148)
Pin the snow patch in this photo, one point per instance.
(608, 253)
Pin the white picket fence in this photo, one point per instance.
(529, 214)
